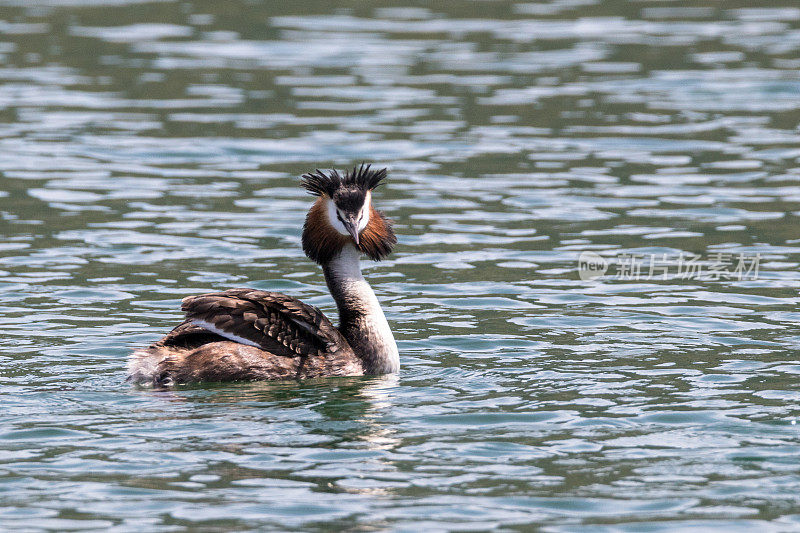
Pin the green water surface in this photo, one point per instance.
(150, 150)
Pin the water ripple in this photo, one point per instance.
(150, 150)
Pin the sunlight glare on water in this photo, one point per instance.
(150, 150)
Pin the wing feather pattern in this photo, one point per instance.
(262, 318)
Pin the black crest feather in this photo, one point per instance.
(361, 177)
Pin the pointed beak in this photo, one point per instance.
(352, 227)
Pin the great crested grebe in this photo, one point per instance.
(248, 334)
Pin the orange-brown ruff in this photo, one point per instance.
(248, 334)
(321, 241)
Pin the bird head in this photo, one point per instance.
(344, 215)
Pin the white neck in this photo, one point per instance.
(361, 319)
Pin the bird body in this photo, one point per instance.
(247, 334)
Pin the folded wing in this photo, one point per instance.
(269, 320)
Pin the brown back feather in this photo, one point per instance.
(267, 318)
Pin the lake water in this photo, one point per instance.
(150, 150)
